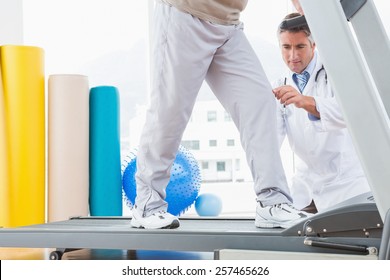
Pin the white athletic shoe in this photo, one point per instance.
(160, 219)
(280, 215)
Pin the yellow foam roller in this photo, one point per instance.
(3, 161)
(23, 78)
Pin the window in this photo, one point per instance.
(212, 116)
(228, 117)
(191, 144)
(212, 143)
(77, 46)
(238, 162)
(121, 59)
(230, 142)
(221, 166)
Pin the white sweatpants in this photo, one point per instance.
(186, 52)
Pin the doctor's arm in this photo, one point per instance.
(331, 115)
(324, 112)
(289, 95)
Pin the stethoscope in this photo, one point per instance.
(284, 113)
(316, 77)
(318, 73)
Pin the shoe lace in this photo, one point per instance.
(162, 212)
(280, 206)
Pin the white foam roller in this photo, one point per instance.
(68, 148)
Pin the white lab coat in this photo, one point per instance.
(327, 168)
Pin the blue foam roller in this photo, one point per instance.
(105, 193)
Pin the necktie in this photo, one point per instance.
(302, 79)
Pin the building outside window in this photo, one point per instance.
(122, 60)
(237, 164)
(230, 142)
(227, 117)
(221, 166)
(211, 116)
(212, 143)
(191, 144)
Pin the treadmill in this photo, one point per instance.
(355, 229)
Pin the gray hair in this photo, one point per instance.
(303, 28)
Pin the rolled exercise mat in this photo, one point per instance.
(4, 207)
(68, 146)
(24, 101)
(105, 193)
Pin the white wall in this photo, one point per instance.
(11, 22)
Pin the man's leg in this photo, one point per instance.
(182, 54)
(239, 82)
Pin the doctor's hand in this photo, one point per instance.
(289, 95)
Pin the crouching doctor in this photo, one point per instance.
(328, 170)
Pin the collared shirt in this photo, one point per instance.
(309, 68)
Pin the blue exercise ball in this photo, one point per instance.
(208, 204)
(183, 187)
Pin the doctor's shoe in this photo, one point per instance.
(160, 219)
(280, 215)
